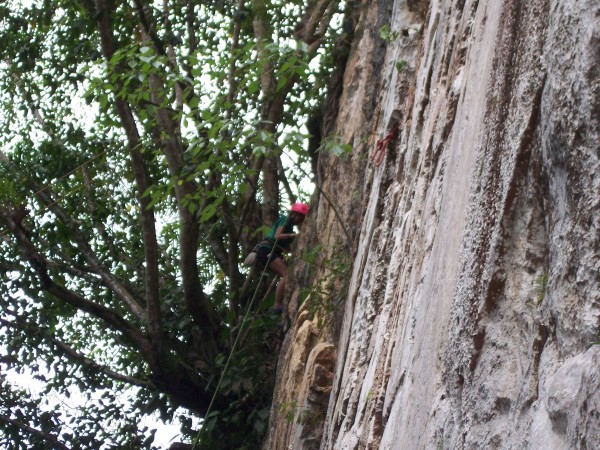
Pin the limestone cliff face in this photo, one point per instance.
(474, 296)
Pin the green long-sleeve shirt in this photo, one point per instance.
(283, 244)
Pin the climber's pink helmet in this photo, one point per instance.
(300, 208)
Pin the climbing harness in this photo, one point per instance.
(382, 144)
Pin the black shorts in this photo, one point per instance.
(266, 255)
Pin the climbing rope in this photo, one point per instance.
(233, 347)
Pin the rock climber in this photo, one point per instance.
(279, 239)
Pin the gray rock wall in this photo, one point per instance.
(474, 299)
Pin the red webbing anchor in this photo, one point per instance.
(382, 145)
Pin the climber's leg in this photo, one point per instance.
(279, 266)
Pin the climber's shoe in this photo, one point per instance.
(277, 310)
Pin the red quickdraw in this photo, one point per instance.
(382, 145)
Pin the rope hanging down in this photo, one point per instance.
(382, 144)
(196, 440)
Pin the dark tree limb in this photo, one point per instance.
(107, 315)
(235, 38)
(137, 162)
(284, 180)
(128, 300)
(37, 262)
(83, 360)
(169, 141)
(43, 194)
(148, 27)
(76, 356)
(47, 437)
(98, 224)
(168, 138)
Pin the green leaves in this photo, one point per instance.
(10, 196)
(335, 146)
(387, 34)
(295, 66)
(401, 65)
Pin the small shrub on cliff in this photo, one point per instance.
(387, 34)
(541, 283)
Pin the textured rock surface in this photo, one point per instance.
(474, 298)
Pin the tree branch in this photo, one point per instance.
(262, 36)
(315, 22)
(76, 356)
(190, 17)
(168, 137)
(37, 262)
(90, 363)
(235, 38)
(149, 29)
(98, 224)
(310, 30)
(194, 298)
(147, 213)
(86, 251)
(35, 432)
(128, 300)
(107, 315)
(284, 180)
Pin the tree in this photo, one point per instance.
(144, 151)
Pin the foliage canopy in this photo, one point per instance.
(142, 152)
